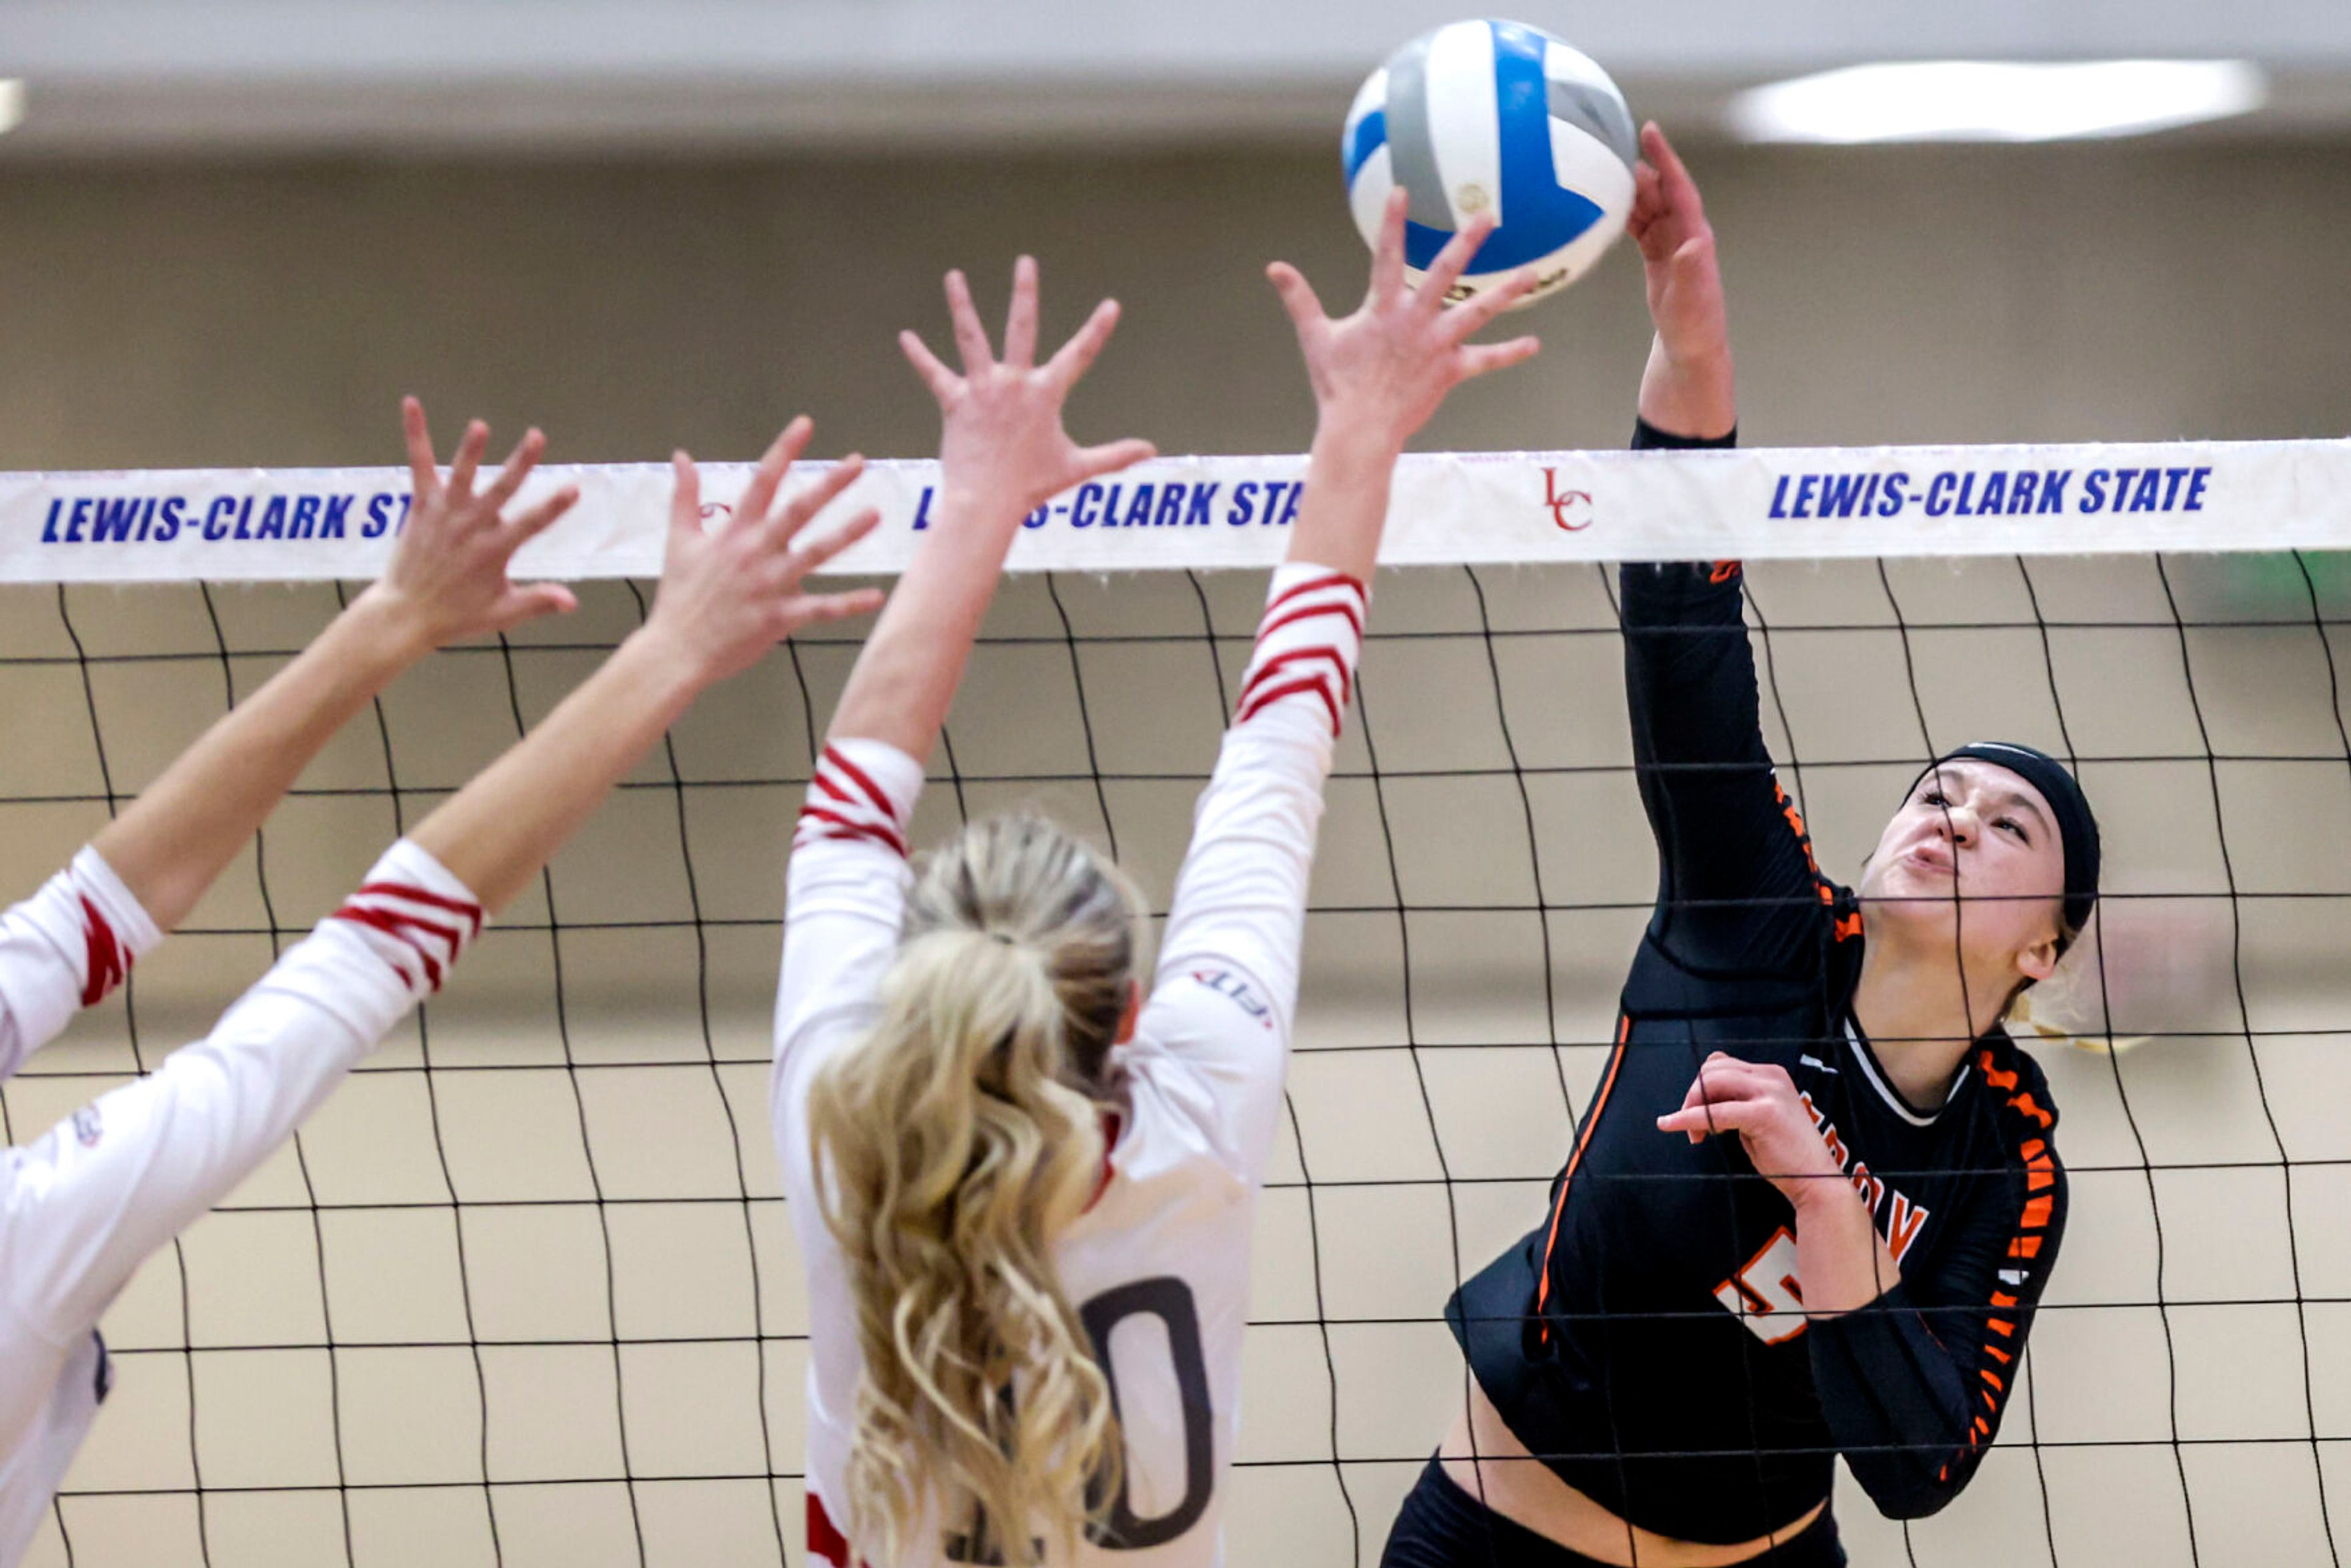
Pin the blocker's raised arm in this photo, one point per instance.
(1002, 452)
(728, 595)
(447, 581)
(1227, 989)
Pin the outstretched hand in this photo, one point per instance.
(1687, 388)
(448, 575)
(1381, 372)
(1004, 440)
(1669, 223)
(732, 592)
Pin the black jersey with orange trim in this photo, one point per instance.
(1646, 1338)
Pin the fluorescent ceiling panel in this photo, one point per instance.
(1987, 101)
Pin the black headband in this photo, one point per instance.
(2077, 829)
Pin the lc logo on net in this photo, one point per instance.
(1570, 510)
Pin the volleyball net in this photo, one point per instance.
(524, 1291)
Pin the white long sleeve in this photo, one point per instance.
(64, 948)
(84, 1206)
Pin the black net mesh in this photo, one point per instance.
(524, 1291)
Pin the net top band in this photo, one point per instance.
(1205, 513)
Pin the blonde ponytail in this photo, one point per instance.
(2069, 1008)
(954, 1146)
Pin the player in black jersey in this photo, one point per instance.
(1814, 1199)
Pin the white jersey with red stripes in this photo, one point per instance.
(1158, 1268)
(84, 1206)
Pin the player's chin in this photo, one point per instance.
(1912, 903)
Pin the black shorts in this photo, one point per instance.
(1442, 1526)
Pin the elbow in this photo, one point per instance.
(1907, 1503)
(1907, 1486)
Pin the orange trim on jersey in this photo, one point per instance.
(1615, 1059)
(2040, 1163)
(1847, 927)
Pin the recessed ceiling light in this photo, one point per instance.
(12, 104)
(1987, 101)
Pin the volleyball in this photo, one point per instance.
(1500, 117)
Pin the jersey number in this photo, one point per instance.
(1767, 1295)
(1169, 1300)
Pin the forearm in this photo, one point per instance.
(1844, 1263)
(907, 676)
(1241, 893)
(1696, 398)
(497, 833)
(182, 830)
(1343, 512)
(1907, 1402)
(1689, 671)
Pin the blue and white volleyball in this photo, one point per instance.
(1495, 117)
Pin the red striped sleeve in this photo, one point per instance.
(1308, 642)
(1352, 613)
(825, 1541)
(464, 909)
(419, 932)
(108, 961)
(845, 803)
(1313, 580)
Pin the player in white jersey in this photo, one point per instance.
(1023, 1188)
(84, 1206)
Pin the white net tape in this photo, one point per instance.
(311, 524)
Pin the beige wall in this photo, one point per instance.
(270, 315)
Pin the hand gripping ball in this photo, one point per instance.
(1495, 117)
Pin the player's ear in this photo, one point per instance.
(2039, 961)
(1127, 1020)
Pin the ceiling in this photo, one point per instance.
(140, 78)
